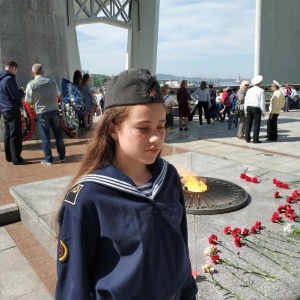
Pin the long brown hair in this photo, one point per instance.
(101, 147)
(85, 79)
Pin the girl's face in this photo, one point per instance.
(140, 138)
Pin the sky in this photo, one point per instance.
(196, 38)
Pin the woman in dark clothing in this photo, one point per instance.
(183, 99)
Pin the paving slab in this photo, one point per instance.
(17, 279)
(260, 207)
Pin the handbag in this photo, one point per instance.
(239, 111)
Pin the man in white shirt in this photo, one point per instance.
(255, 108)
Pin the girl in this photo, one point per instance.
(123, 229)
(88, 99)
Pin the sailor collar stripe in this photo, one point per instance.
(124, 186)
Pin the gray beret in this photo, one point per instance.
(131, 87)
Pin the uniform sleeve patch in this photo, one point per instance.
(72, 194)
(62, 251)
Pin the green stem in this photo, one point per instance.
(264, 272)
(219, 285)
(285, 239)
(272, 252)
(285, 253)
(237, 267)
(274, 261)
(247, 284)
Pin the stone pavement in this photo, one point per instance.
(210, 151)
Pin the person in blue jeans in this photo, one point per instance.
(42, 92)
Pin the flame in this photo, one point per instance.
(192, 182)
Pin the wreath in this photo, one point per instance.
(71, 105)
(28, 116)
(69, 120)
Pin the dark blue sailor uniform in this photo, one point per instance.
(115, 243)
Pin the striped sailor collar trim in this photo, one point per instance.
(115, 179)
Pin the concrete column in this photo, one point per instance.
(73, 49)
(257, 38)
(277, 54)
(142, 39)
(34, 32)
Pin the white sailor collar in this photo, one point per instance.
(113, 178)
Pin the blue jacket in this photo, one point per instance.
(115, 243)
(10, 94)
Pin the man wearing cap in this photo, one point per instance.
(276, 104)
(255, 108)
(42, 92)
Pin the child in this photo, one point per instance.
(123, 229)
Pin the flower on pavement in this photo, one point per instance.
(283, 208)
(276, 218)
(285, 186)
(245, 232)
(210, 250)
(195, 273)
(291, 199)
(255, 180)
(254, 229)
(258, 225)
(243, 176)
(238, 241)
(288, 212)
(236, 232)
(215, 259)
(227, 230)
(277, 194)
(207, 268)
(213, 239)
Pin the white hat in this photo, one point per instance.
(256, 80)
(277, 83)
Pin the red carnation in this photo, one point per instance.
(276, 194)
(278, 183)
(248, 178)
(243, 176)
(285, 186)
(288, 212)
(274, 180)
(215, 259)
(213, 239)
(227, 230)
(258, 223)
(255, 180)
(245, 231)
(281, 209)
(236, 232)
(276, 218)
(254, 229)
(289, 200)
(293, 217)
(238, 242)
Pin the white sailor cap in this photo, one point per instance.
(257, 79)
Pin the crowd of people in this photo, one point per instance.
(243, 106)
(42, 93)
